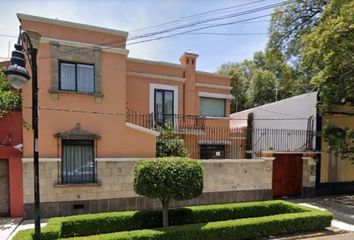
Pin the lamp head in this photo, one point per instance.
(16, 73)
(35, 37)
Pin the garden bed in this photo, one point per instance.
(223, 221)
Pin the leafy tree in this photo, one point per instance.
(249, 74)
(262, 88)
(292, 21)
(328, 57)
(169, 179)
(328, 54)
(10, 100)
(169, 144)
(240, 80)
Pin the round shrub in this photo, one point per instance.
(169, 179)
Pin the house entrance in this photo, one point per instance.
(287, 175)
(4, 188)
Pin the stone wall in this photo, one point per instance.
(224, 181)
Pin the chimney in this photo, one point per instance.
(189, 60)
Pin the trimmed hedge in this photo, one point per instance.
(90, 224)
(125, 221)
(242, 229)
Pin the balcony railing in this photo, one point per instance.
(176, 121)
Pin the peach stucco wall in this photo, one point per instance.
(74, 34)
(138, 87)
(117, 140)
(121, 90)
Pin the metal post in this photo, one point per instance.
(37, 216)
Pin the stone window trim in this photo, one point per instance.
(76, 133)
(76, 64)
(63, 53)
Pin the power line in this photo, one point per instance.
(196, 15)
(123, 43)
(226, 34)
(86, 49)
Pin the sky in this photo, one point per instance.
(245, 35)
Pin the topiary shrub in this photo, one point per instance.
(169, 179)
(169, 144)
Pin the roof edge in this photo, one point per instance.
(22, 16)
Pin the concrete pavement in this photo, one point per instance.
(8, 226)
(346, 236)
(341, 206)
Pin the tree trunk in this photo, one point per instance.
(165, 212)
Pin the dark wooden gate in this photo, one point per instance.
(287, 175)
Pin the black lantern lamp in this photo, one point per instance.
(18, 76)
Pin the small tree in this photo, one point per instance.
(169, 144)
(168, 179)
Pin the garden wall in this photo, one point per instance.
(224, 181)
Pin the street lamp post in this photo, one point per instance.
(18, 76)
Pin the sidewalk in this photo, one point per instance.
(347, 236)
(8, 226)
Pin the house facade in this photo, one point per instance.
(99, 108)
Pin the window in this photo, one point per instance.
(212, 151)
(163, 106)
(213, 107)
(78, 164)
(77, 77)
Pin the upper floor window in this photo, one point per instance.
(77, 77)
(163, 106)
(213, 107)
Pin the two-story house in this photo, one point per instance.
(88, 88)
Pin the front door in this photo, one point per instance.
(163, 107)
(287, 175)
(4, 188)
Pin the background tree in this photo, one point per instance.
(169, 179)
(240, 80)
(262, 88)
(328, 54)
(10, 100)
(292, 21)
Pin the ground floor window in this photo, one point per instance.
(78, 164)
(212, 151)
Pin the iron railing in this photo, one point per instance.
(230, 143)
(204, 140)
(176, 121)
